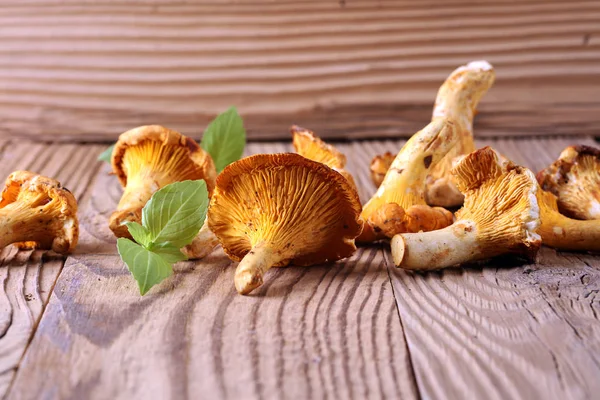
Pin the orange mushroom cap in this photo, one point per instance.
(575, 179)
(279, 209)
(36, 211)
(380, 165)
(148, 158)
(308, 145)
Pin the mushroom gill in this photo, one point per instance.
(279, 209)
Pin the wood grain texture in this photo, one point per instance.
(355, 329)
(28, 277)
(347, 68)
(506, 330)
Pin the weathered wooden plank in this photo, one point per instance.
(324, 331)
(522, 332)
(506, 331)
(88, 71)
(309, 332)
(28, 276)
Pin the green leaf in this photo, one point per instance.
(140, 234)
(147, 268)
(106, 154)
(176, 213)
(168, 252)
(224, 138)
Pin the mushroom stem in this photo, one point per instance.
(137, 193)
(453, 245)
(135, 196)
(570, 234)
(249, 272)
(203, 244)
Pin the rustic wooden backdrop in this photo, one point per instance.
(86, 70)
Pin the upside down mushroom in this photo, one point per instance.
(457, 99)
(37, 212)
(271, 210)
(388, 211)
(500, 215)
(564, 233)
(575, 179)
(150, 157)
(308, 145)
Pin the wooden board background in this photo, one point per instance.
(357, 329)
(79, 70)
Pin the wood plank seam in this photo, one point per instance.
(34, 327)
(413, 374)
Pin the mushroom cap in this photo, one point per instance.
(501, 199)
(300, 208)
(575, 179)
(310, 146)
(380, 165)
(172, 156)
(46, 198)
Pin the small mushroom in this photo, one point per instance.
(404, 184)
(562, 232)
(271, 210)
(308, 145)
(36, 211)
(575, 179)
(457, 99)
(380, 165)
(148, 158)
(500, 216)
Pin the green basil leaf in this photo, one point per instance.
(176, 212)
(106, 154)
(224, 138)
(147, 268)
(168, 252)
(139, 233)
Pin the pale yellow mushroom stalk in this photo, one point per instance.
(203, 244)
(404, 182)
(564, 233)
(500, 216)
(457, 99)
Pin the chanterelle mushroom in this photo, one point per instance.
(36, 211)
(279, 209)
(308, 145)
(500, 216)
(380, 165)
(457, 99)
(404, 184)
(575, 179)
(562, 232)
(148, 158)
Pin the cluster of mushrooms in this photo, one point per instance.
(273, 210)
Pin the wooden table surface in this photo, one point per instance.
(76, 328)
